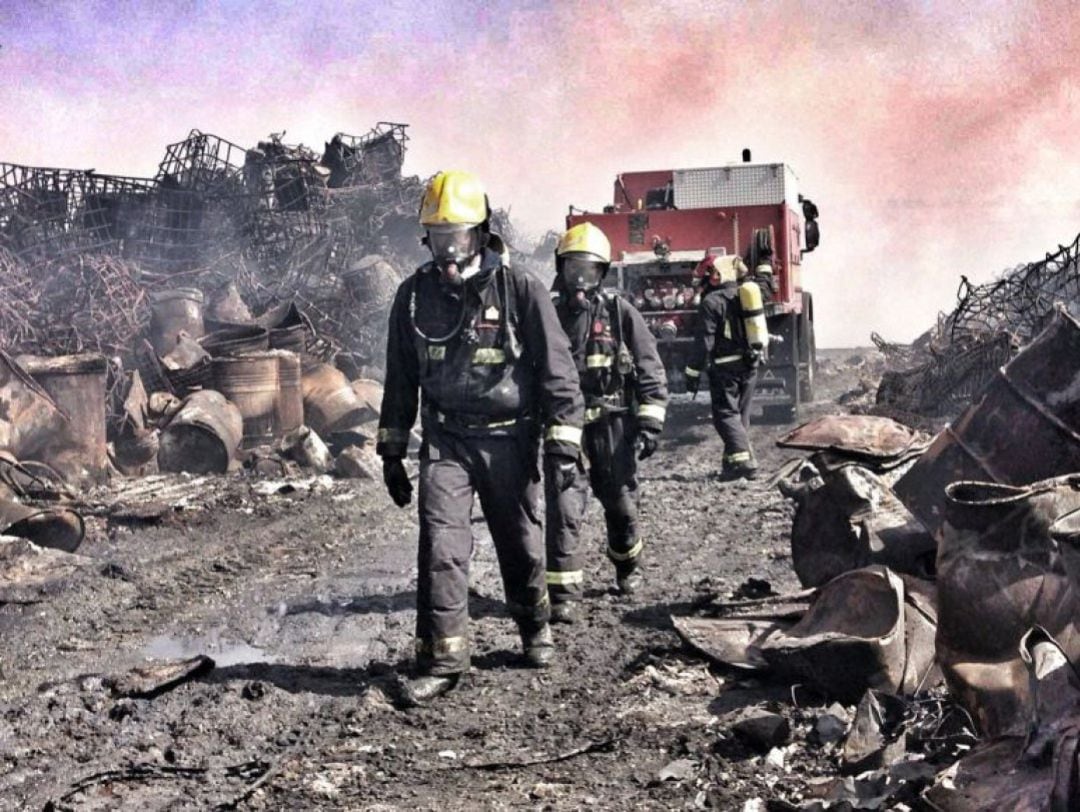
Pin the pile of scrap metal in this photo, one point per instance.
(249, 392)
(942, 371)
(214, 391)
(81, 252)
(954, 561)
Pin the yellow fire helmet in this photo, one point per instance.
(454, 198)
(585, 238)
(730, 268)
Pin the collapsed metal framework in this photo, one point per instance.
(942, 372)
(79, 251)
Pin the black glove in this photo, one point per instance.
(752, 357)
(397, 480)
(693, 384)
(562, 470)
(646, 443)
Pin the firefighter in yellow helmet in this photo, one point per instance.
(730, 342)
(625, 390)
(475, 347)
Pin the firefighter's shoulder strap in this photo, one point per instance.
(625, 357)
(511, 318)
(614, 305)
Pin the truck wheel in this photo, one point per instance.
(807, 349)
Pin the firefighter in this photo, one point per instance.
(625, 389)
(722, 343)
(476, 348)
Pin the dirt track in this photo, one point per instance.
(305, 601)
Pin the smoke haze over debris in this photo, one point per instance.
(938, 139)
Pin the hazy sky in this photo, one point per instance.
(937, 138)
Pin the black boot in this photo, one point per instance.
(564, 612)
(423, 689)
(743, 471)
(539, 646)
(628, 579)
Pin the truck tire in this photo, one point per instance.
(807, 350)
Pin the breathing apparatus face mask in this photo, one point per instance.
(581, 274)
(454, 247)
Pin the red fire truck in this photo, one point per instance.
(662, 224)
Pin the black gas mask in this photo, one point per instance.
(581, 275)
(456, 250)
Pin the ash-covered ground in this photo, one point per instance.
(304, 597)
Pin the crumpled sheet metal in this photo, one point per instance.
(874, 437)
(226, 305)
(870, 628)
(862, 631)
(1024, 427)
(846, 518)
(1038, 768)
(735, 641)
(134, 440)
(999, 573)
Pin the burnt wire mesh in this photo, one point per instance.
(375, 157)
(80, 251)
(943, 372)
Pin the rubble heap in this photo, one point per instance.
(81, 252)
(940, 373)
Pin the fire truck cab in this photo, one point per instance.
(661, 224)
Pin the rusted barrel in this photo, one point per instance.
(1023, 427)
(29, 419)
(172, 311)
(1001, 569)
(370, 394)
(203, 436)
(289, 415)
(330, 404)
(372, 280)
(76, 383)
(59, 528)
(251, 382)
(231, 341)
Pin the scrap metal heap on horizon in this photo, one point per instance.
(945, 368)
(81, 252)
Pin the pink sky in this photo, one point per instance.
(938, 139)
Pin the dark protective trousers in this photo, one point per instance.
(731, 392)
(609, 447)
(502, 471)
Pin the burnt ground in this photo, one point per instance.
(305, 601)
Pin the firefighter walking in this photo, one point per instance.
(476, 348)
(730, 343)
(625, 391)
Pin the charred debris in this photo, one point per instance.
(940, 569)
(228, 312)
